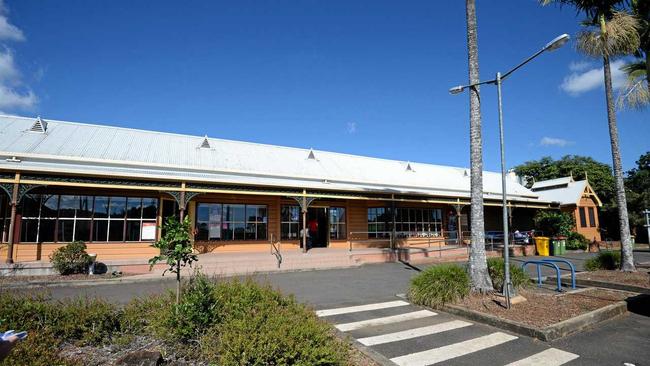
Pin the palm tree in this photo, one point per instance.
(480, 278)
(637, 90)
(609, 32)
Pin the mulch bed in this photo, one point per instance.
(57, 278)
(640, 278)
(543, 307)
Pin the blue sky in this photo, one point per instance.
(361, 77)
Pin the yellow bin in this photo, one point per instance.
(542, 244)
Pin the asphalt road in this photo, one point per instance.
(623, 340)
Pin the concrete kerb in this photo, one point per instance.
(367, 351)
(551, 332)
(601, 284)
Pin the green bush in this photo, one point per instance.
(608, 260)
(496, 268)
(259, 326)
(576, 241)
(554, 223)
(438, 285)
(71, 258)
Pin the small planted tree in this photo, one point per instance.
(175, 249)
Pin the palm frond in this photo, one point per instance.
(636, 95)
(621, 37)
(635, 69)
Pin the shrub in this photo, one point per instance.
(197, 310)
(608, 260)
(438, 285)
(496, 268)
(576, 241)
(554, 223)
(71, 258)
(259, 326)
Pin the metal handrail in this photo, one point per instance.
(539, 263)
(571, 267)
(275, 250)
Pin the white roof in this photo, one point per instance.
(72, 147)
(552, 182)
(568, 191)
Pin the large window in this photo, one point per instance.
(217, 221)
(583, 217)
(416, 221)
(5, 215)
(290, 222)
(379, 219)
(592, 217)
(66, 218)
(408, 221)
(337, 222)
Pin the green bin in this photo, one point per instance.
(556, 247)
(563, 246)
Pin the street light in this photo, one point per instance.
(554, 44)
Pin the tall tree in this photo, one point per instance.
(637, 90)
(608, 33)
(480, 278)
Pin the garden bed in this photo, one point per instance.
(226, 322)
(638, 279)
(544, 308)
(545, 315)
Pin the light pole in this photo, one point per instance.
(556, 43)
(646, 212)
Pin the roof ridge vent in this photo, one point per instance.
(409, 168)
(205, 144)
(39, 126)
(311, 155)
(465, 173)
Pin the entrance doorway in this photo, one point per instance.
(317, 224)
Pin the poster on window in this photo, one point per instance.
(148, 231)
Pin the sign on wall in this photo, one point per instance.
(148, 231)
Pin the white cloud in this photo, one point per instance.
(581, 82)
(577, 66)
(14, 94)
(8, 31)
(351, 127)
(554, 141)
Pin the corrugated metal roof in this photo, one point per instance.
(78, 148)
(568, 192)
(552, 183)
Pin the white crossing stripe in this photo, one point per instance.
(413, 333)
(454, 350)
(356, 309)
(385, 320)
(550, 357)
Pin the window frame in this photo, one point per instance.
(232, 222)
(592, 216)
(582, 216)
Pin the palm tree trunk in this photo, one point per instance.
(478, 272)
(627, 260)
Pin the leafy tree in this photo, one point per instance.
(638, 191)
(175, 249)
(478, 271)
(580, 167)
(609, 32)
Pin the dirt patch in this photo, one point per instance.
(56, 278)
(543, 307)
(639, 279)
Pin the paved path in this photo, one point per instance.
(615, 342)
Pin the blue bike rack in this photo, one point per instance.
(538, 264)
(571, 267)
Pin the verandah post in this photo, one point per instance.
(12, 219)
(304, 221)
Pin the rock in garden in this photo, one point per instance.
(140, 358)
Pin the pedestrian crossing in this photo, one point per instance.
(410, 336)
